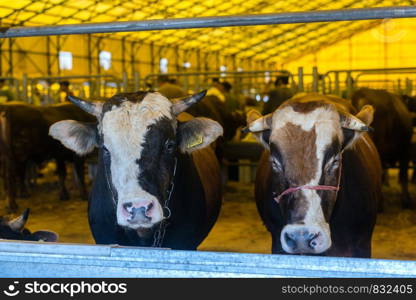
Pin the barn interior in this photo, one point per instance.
(324, 57)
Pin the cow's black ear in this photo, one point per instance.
(45, 236)
(265, 137)
(197, 134)
(78, 136)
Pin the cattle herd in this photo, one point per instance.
(158, 176)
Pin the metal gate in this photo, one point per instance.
(29, 259)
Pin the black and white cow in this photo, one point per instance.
(318, 183)
(158, 182)
(14, 229)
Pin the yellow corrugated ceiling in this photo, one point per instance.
(258, 42)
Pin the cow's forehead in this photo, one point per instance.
(323, 120)
(303, 136)
(125, 126)
(307, 118)
(130, 115)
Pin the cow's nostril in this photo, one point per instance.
(128, 207)
(313, 240)
(290, 240)
(149, 207)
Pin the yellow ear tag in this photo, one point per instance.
(197, 141)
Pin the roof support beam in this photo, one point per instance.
(220, 21)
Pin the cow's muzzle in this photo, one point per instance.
(305, 239)
(139, 213)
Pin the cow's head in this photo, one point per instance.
(306, 137)
(139, 138)
(14, 229)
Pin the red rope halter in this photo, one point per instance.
(312, 187)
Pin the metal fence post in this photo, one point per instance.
(125, 83)
(300, 80)
(136, 81)
(24, 93)
(323, 87)
(315, 79)
(399, 86)
(409, 86)
(349, 85)
(336, 83)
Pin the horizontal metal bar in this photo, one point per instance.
(31, 259)
(219, 21)
(372, 70)
(217, 73)
(72, 77)
(373, 73)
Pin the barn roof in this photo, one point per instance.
(286, 42)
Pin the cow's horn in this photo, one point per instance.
(93, 108)
(18, 223)
(184, 103)
(260, 124)
(352, 122)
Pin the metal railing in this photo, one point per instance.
(332, 83)
(249, 83)
(98, 86)
(12, 84)
(30, 259)
(219, 21)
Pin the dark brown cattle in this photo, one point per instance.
(392, 133)
(213, 108)
(318, 183)
(24, 141)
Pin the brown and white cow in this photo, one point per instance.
(318, 183)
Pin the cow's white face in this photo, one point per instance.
(124, 130)
(306, 139)
(140, 138)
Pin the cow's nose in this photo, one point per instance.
(302, 240)
(137, 212)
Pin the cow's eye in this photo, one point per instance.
(169, 146)
(333, 164)
(276, 164)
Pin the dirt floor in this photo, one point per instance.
(238, 229)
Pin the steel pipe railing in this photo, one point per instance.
(353, 80)
(197, 80)
(31, 259)
(30, 82)
(13, 84)
(211, 22)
